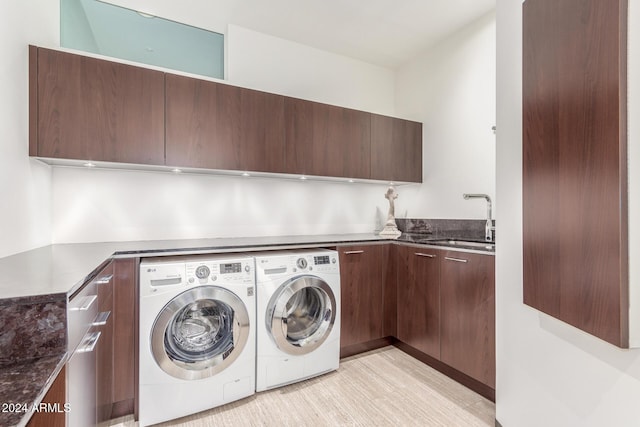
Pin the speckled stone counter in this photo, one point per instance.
(23, 385)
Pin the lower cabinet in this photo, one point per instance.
(467, 314)
(124, 332)
(104, 348)
(56, 397)
(418, 290)
(101, 370)
(361, 285)
(446, 308)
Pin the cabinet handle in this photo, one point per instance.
(89, 343)
(353, 252)
(425, 255)
(88, 302)
(101, 318)
(456, 259)
(104, 280)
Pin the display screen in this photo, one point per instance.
(234, 267)
(320, 260)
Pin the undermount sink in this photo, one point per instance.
(468, 243)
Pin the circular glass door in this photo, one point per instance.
(301, 314)
(200, 332)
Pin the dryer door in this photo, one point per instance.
(200, 332)
(301, 314)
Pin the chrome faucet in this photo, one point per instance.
(488, 227)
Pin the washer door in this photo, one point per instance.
(301, 314)
(200, 332)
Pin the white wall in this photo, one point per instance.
(99, 205)
(24, 184)
(272, 64)
(451, 89)
(548, 373)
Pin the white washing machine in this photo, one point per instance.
(298, 314)
(197, 334)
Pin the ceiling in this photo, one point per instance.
(382, 32)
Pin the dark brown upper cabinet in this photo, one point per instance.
(327, 140)
(90, 109)
(396, 149)
(575, 225)
(217, 126)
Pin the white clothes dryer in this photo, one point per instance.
(197, 334)
(298, 315)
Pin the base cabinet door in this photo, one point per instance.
(56, 397)
(419, 298)
(361, 294)
(467, 317)
(104, 348)
(124, 335)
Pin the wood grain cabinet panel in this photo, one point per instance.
(326, 140)
(217, 126)
(104, 349)
(56, 395)
(418, 293)
(575, 225)
(361, 294)
(396, 149)
(124, 334)
(92, 109)
(467, 314)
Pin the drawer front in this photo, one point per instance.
(81, 312)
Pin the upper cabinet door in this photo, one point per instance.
(574, 163)
(91, 109)
(396, 149)
(217, 126)
(326, 140)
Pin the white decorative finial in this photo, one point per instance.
(390, 229)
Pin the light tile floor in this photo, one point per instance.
(384, 387)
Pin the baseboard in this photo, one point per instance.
(351, 350)
(471, 383)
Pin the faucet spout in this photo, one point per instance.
(488, 227)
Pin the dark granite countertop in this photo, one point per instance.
(23, 385)
(63, 268)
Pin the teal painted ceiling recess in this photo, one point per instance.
(105, 29)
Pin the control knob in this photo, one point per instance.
(301, 263)
(202, 272)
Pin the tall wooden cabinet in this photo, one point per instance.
(90, 109)
(575, 225)
(418, 293)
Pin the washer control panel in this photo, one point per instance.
(211, 271)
